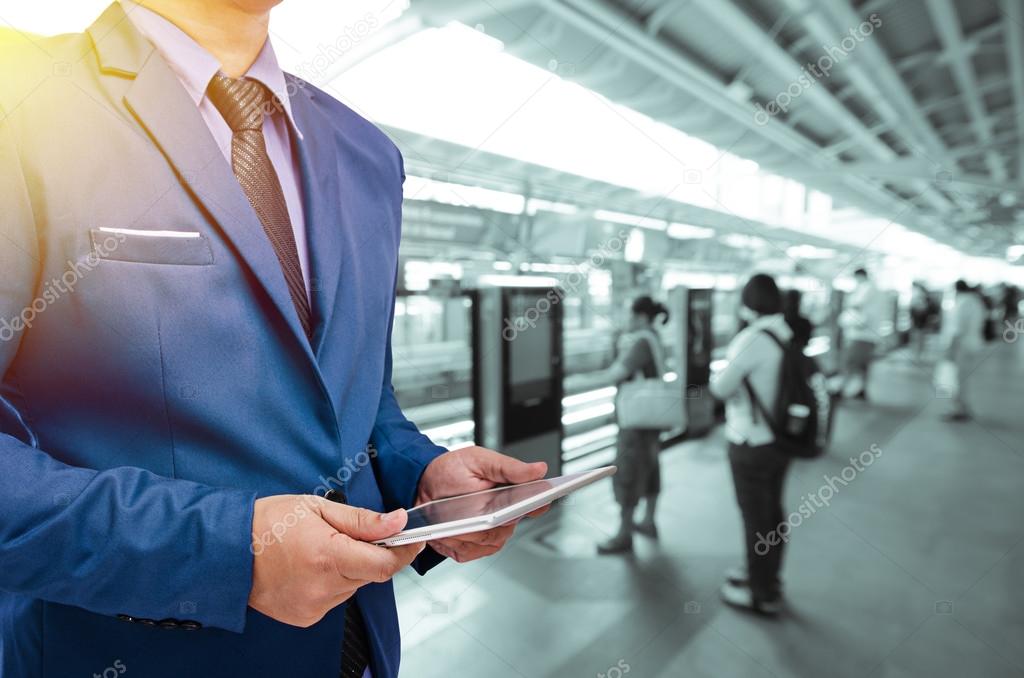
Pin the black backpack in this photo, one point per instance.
(801, 419)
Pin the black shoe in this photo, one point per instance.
(739, 576)
(957, 416)
(619, 544)
(648, 529)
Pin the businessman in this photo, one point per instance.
(198, 433)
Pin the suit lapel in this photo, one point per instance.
(325, 191)
(160, 103)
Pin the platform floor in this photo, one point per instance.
(913, 570)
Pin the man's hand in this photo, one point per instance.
(472, 469)
(310, 555)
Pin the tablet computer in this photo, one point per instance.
(483, 510)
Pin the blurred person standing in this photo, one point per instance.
(802, 327)
(922, 312)
(861, 322)
(966, 342)
(639, 474)
(754, 360)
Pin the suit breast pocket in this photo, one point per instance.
(181, 248)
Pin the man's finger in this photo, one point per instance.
(500, 468)
(360, 523)
(463, 552)
(493, 537)
(359, 561)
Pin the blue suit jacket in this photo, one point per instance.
(153, 387)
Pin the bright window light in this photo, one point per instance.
(50, 17)
(455, 83)
(420, 188)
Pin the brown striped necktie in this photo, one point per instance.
(243, 102)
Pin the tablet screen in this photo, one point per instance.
(480, 503)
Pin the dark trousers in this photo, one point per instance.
(759, 474)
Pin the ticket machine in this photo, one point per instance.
(517, 372)
(690, 322)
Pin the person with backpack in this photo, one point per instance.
(638, 449)
(776, 408)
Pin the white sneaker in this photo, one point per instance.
(742, 597)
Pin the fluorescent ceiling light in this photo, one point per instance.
(534, 205)
(688, 232)
(810, 252)
(517, 281)
(630, 220)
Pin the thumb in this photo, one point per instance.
(362, 524)
(501, 468)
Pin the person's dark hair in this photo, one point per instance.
(962, 286)
(861, 273)
(649, 307)
(761, 295)
(791, 303)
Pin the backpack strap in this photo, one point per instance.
(756, 405)
(656, 350)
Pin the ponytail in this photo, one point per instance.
(650, 308)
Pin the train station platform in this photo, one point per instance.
(912, 569)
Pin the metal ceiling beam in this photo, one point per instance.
(948, 24)
(1015, 46)
(940, 55)
(657, 19)
(750, 34)
(621, 33)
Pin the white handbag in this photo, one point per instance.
(651, 404)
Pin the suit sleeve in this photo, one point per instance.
(403, 453)
(117, 541)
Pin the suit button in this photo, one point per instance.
(189, 625)
(146, 622)
(168, 623)
(125, 618)
(337, 496)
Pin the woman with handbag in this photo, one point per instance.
(639, 474)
